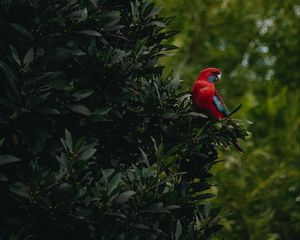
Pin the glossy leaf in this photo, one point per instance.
(28, 58)
(124, 197)
(5, 159)
(178, 231)
(90, 32)
(81, 109)
(15, 54)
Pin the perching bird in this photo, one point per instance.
(205, 96)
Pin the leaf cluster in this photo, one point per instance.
(95, 144)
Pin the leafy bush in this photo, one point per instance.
(94, 143)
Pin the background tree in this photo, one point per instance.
(94, 143)
(256, 43)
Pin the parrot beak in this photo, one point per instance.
(219, 76)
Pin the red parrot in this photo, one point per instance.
(205, 96)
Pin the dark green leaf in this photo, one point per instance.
(206, 211)
(68, 140)
(141, 226)
(46, 110)
(114, 183)
(65, 187)
(82, 94)
(170, 115)
(28, 57)
(235, 110)
(157, 24)
(65, 52)
(172, 207)
(95, 4)
(178, 231)
(205, 196)
(196, 114)
(63, 161)
(145, 157)
(86, 154)
(90, 32)
(102, 111)
(124, 197)
(155, 11)
(15, 54)
(169, 47)
(21, 30)
(20, 189)
(81, 109)
(5, 159)
(79, 15)
(134, 12)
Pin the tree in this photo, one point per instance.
(256, 44)
(95, 144)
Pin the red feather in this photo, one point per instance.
(203, 92)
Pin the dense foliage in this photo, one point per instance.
(94, 143)
(256, 43)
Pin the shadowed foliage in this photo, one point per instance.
(94, 143)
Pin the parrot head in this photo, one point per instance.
(210, 75)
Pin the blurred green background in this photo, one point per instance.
(256, 44)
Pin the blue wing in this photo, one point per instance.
(220, 105)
